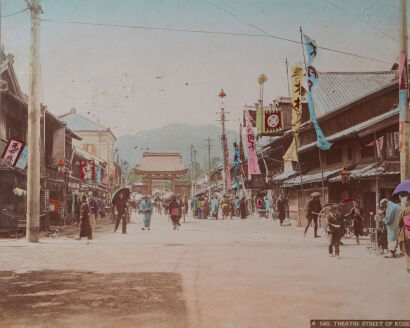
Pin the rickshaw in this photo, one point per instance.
(344, 206)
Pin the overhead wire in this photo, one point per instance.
(15, 13)
(171, 29)
(276, 37)
(361, 20)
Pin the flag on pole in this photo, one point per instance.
(378, 143)
(312, 79)
(297, 83)
(236, 163)
(253, 165)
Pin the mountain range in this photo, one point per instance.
(176, 138)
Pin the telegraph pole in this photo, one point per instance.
(222, 94)
(194, 153)
(33, 134)
(209, 166)
(403, 100)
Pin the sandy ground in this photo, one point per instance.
(232, 273)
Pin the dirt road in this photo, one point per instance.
(239, 273)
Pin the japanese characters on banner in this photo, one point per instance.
(312, 79)
(87, 170)
(297, 83)
(253, 165)
(12, 152)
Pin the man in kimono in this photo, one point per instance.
(146, 208)
(214, 207)
(392, 211)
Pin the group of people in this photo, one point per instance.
(228, 206)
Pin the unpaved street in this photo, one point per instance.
(239, 273)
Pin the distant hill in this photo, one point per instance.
(176, 138)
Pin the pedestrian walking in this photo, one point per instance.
(225, 206)
(259, 206)
(175, 210)
(357, 218)
(313, 209)
(146, 208)
(214, 207)
(120, 206)
(281, 208)
(335, 230)
(267, 206)
(94, 210)
(242, 208)
(404, 233)
(392, 211)
(85, 227)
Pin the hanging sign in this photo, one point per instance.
(22, 161)
(87, 170)
(312, 79)
(12, 152)
(292, 152)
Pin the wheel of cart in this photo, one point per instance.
(322, 221)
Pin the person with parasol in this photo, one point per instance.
(119, 201)
(146, 208)
(313, 209)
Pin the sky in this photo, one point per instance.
(133, 79)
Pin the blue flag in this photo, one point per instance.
(312, 79)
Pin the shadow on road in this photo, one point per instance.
(86, 299)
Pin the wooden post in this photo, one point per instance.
(404, 126)
(33, 135)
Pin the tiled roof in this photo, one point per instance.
(369, 171)
(77, 122)
(310, 178)
(337, 89)
(157, 162)
(354, 129)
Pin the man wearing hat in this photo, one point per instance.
(146, 208)
(313, 209)
(392, 211)
(122, 210)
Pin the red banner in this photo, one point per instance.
(87, 170)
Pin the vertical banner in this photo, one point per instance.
(58, 145)
(98, 175)
(292, 152)
(236, 163)
(87, 170)
(22, 161)
(226, 166)
(241, 152)
(312, 79)
(253, 165)
(297, 83)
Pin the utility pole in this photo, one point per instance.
(209, 166)
(194, 153)
(404, 101)
(33, 134)
(222, 94)
(192, 171)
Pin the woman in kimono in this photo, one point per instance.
(175, 211)
(146, 208)
(85, 226)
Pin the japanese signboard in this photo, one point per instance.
(12, 152)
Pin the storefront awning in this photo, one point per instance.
(310, 178)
